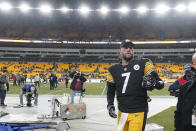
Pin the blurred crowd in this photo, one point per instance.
(42, 72)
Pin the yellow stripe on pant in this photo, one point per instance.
(134, 122)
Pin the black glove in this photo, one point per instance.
(148, 83)
(159, 85)
(83, 90)
(111, 111)
(152, 81)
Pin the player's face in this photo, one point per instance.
(194, 63)
(126, 53)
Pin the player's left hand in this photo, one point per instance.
(111, 111)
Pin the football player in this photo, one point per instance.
(130, 80)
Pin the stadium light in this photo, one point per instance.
(142, 9)
(180, 8)
(84, 10)
(192, 7)
(161, 9)
(123, 10)
(5, 6)
(64, 9)
(45, 9)
(24, 7)
(104, 10)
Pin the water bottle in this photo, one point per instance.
(194, 116)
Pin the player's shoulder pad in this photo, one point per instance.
(146, 59)
(113, 67)
(143, 60)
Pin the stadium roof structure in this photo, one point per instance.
(84, 22)
(93, 53)
(115, 26)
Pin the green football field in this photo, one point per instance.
(91, 89)
(167, 119)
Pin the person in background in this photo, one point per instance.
(55, 81)
(185, 114)
(14, 81)
(52, 81)
(77, 84)
(37, 80)
(174, 88)
(29, 89)
(18, 79)
(66, 80)
(4, 87)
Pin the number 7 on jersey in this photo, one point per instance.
(126, 81)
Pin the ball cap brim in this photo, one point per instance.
(126, 43)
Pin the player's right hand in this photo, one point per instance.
(111, 111)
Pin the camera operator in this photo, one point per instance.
(186, 103)
(30, 92)
(77, 84)
(174, 88)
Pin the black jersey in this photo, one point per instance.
(127, 81)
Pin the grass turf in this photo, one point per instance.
(91, 89)
(164, 118)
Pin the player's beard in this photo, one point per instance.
(127, 59)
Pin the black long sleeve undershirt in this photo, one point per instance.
(110, 93)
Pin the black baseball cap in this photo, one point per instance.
(126, 43)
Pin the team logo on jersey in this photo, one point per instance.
(125, 69)
(136, 67)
